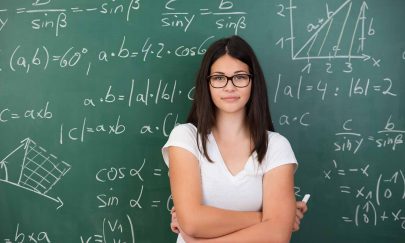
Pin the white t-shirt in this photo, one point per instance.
(221, 189)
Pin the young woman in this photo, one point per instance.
(231, 175)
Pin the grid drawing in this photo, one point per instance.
(40, 170)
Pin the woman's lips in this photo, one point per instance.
(230, 98)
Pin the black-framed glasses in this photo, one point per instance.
(239, 80)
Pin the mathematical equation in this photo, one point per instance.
(350, 141)
(79, 132)
(113, 230)
(113, 175)
(47, 17)
(229, 18)
(7, 114)
(372, 199)
(155, 92)
(323, 90)
(21, 236)
(41, 58)
(55, 19)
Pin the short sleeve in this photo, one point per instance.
(279, 152)
(183, 136)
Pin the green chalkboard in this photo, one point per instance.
(90, 90)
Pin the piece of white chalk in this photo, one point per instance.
(306, 198)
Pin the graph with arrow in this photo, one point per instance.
(31, 167)
(341, 34)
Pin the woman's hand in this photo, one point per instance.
(299, 214)
(174, 225)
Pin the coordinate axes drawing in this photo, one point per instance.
(338, 36)
(39, 172)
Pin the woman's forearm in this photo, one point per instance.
(262, 232)
(211, 222)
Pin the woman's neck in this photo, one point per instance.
(231, 126)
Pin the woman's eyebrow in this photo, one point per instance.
(239, 71)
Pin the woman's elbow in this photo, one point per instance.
(277, 236)
(190, 226)
(278, 230)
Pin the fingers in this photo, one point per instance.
(173, 213)
(302, 206)
(296, 225)
(174, 225)
(299, 214)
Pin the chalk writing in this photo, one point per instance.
(24, 59)
(372, 200)
(347, 44)
(114, 174)
(303, 120)
(27, 236)
(79, 133)
(169, 122)
(47, 17)
(113, 230)
(41, 58)
(351, 141)
(356, 87)
(7, 114)
(39, 170)
(230, 19)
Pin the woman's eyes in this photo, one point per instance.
(240, 76)
(219, 78)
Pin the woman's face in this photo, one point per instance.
(230, 99)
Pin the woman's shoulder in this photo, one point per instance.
(183, 136)
(275, 137)
(277, 142)
(279, 151)
(185, 128)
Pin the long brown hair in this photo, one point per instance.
(258, 118)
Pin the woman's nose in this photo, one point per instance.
(229, 85)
